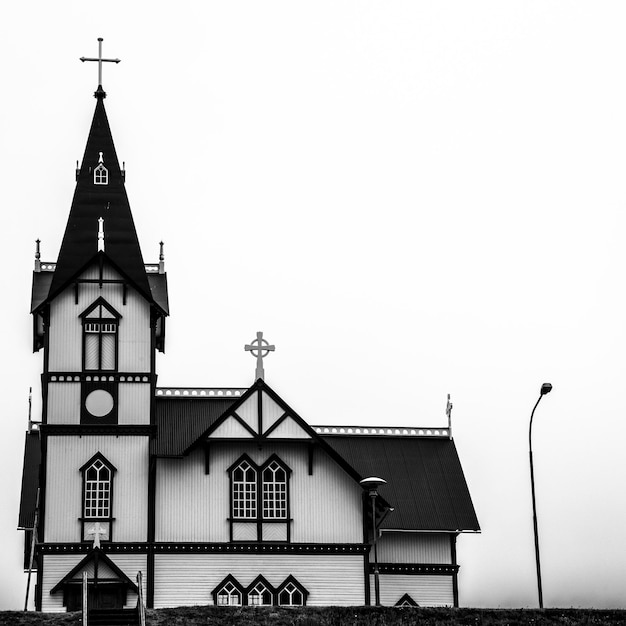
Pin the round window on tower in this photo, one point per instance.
(99, 403)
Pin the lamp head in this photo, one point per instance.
(546, 388)
(371, 483)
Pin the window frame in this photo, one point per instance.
(259, 518)
(291, 580)
(91, 519)
(113, 321)
(261, 580)
(100, 174)
(229, 580)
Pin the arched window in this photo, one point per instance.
(292, 593)
(100, 173)
(244, 484)
(228, 593)
(97, 505)
(274, 491)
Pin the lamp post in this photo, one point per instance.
(371, 484)
(545, 388)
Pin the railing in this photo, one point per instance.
(85, 596)
(141, 608)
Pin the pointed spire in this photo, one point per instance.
(100, 193)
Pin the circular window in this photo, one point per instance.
(99, 403)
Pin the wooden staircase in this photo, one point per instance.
(113, 617)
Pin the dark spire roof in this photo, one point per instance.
(92, 201)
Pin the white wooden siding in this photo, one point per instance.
(189, 579)
(289, 429)
(231, 428)
(424, 589)
(56, 567)
(66, 455)
(271, 411)
(134, 403)
(249, 413)
(65, 345)
(193, 506)
(63, 403)
(414, 548)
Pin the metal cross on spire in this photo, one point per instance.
(100, 92)
(259, 348)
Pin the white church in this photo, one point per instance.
(217, 496)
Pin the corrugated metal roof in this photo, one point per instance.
(158, 288)
(425, 481)
(41, 287)
(30, 480)
(180, 422)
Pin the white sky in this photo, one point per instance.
(409, 198)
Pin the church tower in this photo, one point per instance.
(99, 318)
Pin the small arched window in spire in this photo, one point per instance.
(100, 173)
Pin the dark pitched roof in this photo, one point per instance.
(158, 289)
(181, 421)
(425, 481)
(92, 201)
(30, 480)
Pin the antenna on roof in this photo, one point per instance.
(37, 256)
(161, 259)
(449, 414)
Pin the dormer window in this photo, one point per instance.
(101, 174)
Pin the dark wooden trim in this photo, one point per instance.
(455, 576)
(276, 424)
(81, 430)
(311, 451)
(259, 404)
(207, 458)
(39, 585)
(366, 579)
(411, 569)
(207, 548)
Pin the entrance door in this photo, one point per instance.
(106, 597)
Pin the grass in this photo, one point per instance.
(340, 616)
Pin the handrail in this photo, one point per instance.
(85, 596)
(141, 609)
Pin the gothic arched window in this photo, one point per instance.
(100, 323)
(100, 173)
(274, 478)
(97, 504)
(244, 485)
(260, 593)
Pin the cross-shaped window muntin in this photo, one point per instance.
(259, 493)
(100, 175)
(97, 495)
(100, 337)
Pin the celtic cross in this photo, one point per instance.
(259, 348)
(100, 61)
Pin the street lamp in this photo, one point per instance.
(371, 484)
(545, 388)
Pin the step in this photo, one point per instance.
(113, 617)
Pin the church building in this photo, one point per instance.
(222, 496)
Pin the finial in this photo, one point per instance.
(100, 234)
(449, 414)
(161, 259)
(100, 93)
(77, 170)
(259, 348)
(37, 256)
(100, 158)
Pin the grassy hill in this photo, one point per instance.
(341, 616)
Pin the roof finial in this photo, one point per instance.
(259, 348)
(161, 259)
(37, 256)
(100, 234)
(100, 93)
(449, 414)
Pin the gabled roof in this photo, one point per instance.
(30, 480)
(425, 481)
(92, 201)
(104, 562)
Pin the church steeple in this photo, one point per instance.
(100, 194)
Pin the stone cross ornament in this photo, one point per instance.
(259, 348)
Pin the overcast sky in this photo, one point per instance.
(410, 199)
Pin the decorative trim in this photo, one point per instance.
(198, 393)
(416, 569)
(377, 431)
(108, 377)
(83, 430)
(208, 548)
